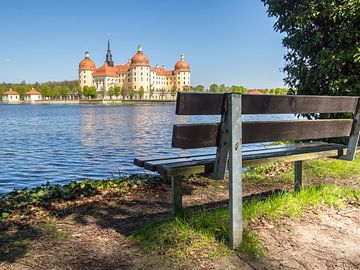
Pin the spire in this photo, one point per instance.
(87, 54)
(182, 56)
(139, 49)
(109, 60)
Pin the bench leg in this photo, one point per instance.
(235, 172)
(298, 175)
(176, 195)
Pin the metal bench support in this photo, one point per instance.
(176, 195)
(235, 174)
(298, 175)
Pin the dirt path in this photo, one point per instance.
(92, 233)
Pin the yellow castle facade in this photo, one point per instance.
(137, 76)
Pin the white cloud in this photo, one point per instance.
(7, 60)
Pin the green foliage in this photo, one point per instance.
(141, 92)
(116, 91)
(93, 92)
(173, 91)
(238, 89)
(206, 232)
(214, 88)
(322, 38)
(46, 193)
(111, 92)
(131, 92)
(199, 88)
(124, 92)
(186, 88)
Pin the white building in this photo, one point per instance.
(11, 97)
(136, 75)
(32, 95)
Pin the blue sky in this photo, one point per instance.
(225, 41)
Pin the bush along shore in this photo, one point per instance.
(137, 207)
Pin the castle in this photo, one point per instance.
(136, 76)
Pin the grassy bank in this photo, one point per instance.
(206, 232)
(36, 213)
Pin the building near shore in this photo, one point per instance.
(136, 78)
(11, 97)
(32, 96)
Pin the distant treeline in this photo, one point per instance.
(71, 89)
(52, 90)
(222, 88)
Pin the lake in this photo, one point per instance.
(60, 143)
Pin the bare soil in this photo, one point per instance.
(92, 233)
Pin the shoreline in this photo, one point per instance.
(92, 102)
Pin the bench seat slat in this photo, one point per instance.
(246, 148)
(152, 165)
(141, 161)
(206, 166)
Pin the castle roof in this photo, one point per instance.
(182, 65)
(105, 70)
(140, 59)
(87, 63)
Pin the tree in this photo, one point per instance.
(124, 92)
(141, 92)
(131, 92)
(186, 88)
(214, 88)
(111, 92)
(117, 91)
(45, 90)
(199, 88)
(322, 38)
(222, 88)
(173, 91)
(93, 92)
(151, 91)
(238, 89)
(86, 91)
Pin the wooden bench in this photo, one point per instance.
(231, 135)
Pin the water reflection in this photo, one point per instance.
(59, 143)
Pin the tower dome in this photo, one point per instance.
(140, 59)
(182, 65)
(87, 63)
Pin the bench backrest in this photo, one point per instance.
(231, 107)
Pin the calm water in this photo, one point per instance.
(60, 143)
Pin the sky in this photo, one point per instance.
(224, 41)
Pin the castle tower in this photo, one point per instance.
(182, 74)
(86, 69)
(109, 60)
(140, 72)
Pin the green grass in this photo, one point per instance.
(206, 232)
(332, 168)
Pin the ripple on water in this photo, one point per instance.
(60, 143)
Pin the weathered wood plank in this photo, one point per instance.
(212, 104)
(141, 161)
(189, 136)
(295, 130)
(235, 172)
(152, 165)
(354, 136)
(207, 166)
(222, 150)
(176, 195)
(298, 175)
